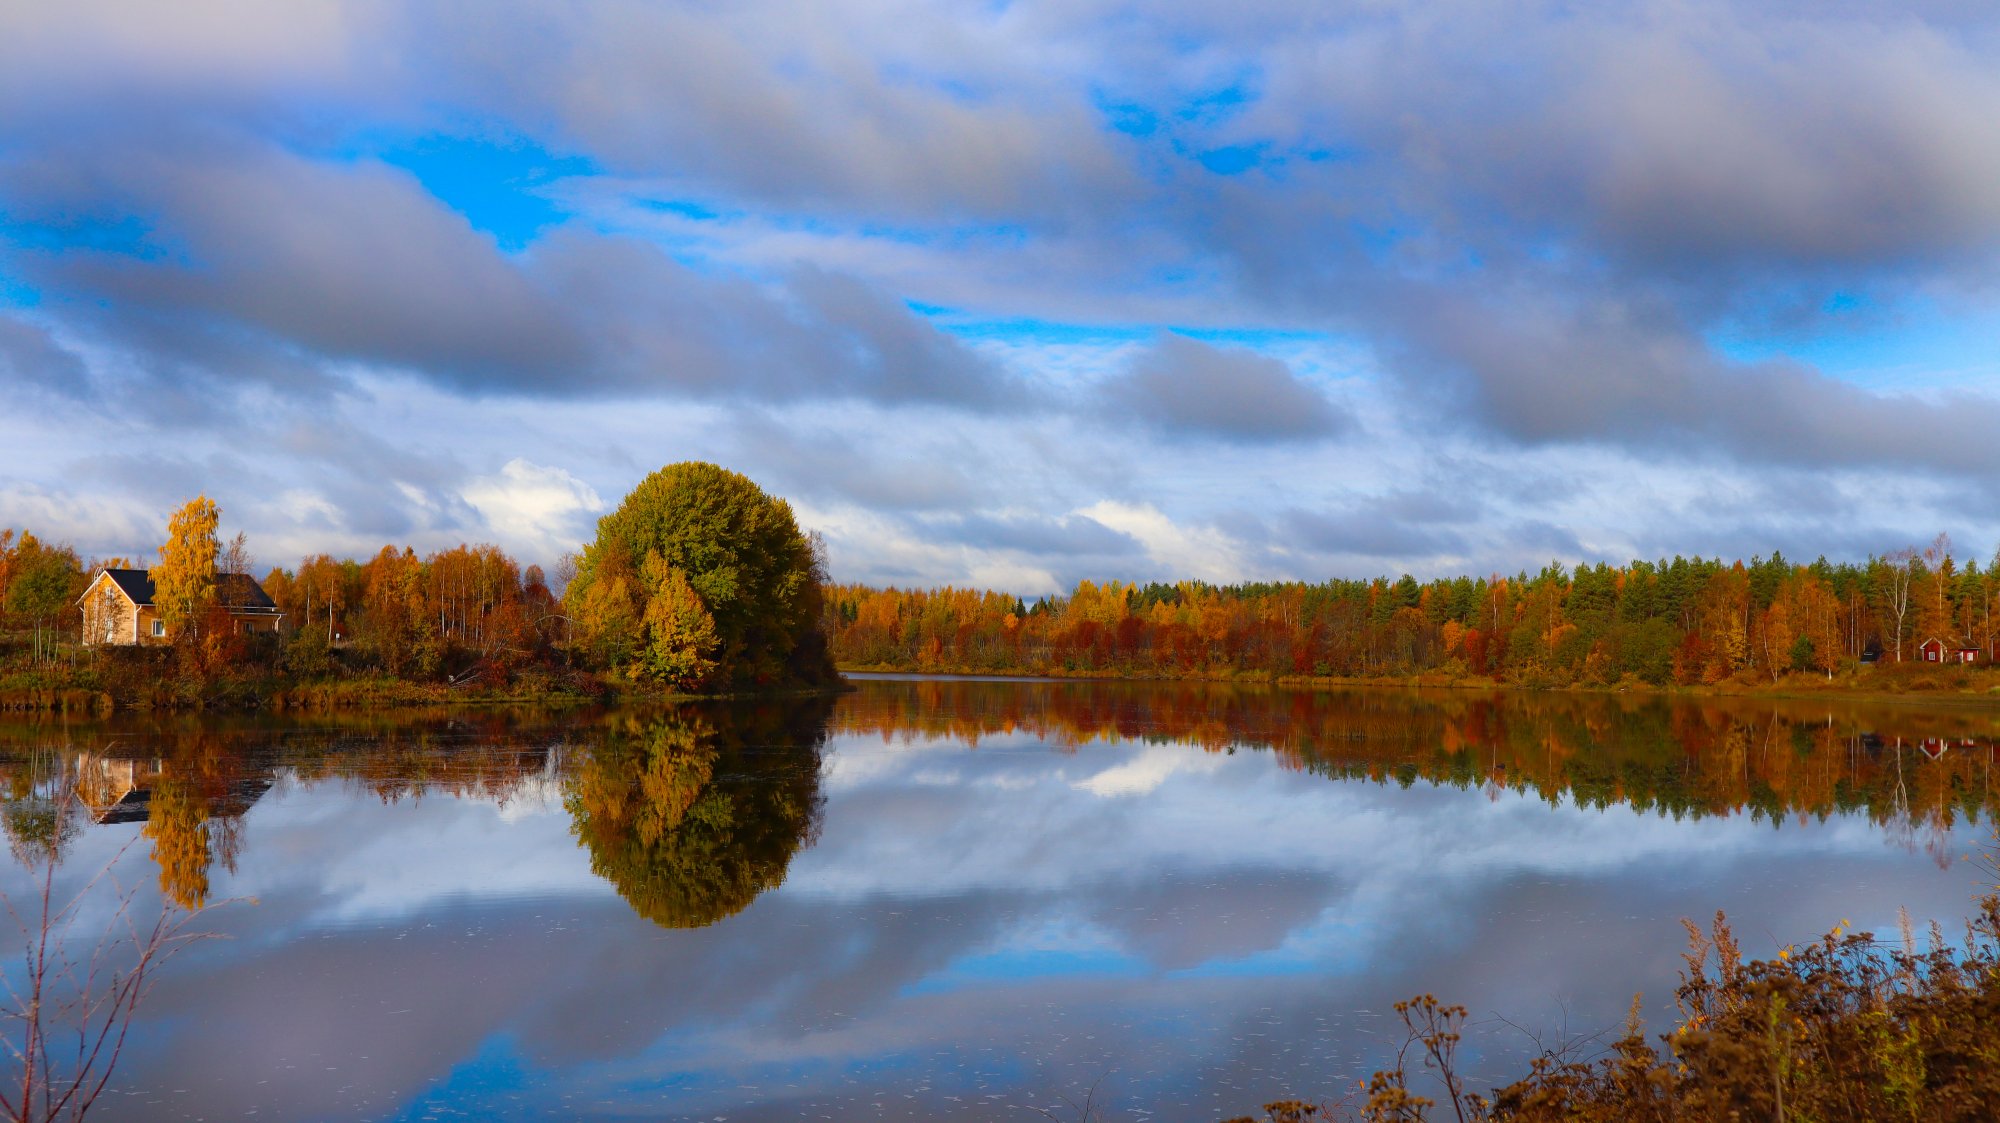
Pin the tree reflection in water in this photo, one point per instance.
(692, 812)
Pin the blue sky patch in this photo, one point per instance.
(500, 185)
(1234, 159)
(495, 1070)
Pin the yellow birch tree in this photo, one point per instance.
(680, 633)
(184, 581)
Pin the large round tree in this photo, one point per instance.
(700, 581)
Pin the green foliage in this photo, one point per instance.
(308, 653)
(692, 818)
(740, 553)
(42, 583)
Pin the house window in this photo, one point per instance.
(159, 629)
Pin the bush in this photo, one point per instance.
(1844, 1029)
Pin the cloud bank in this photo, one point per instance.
(1704, 277)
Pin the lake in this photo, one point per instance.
(935, 899)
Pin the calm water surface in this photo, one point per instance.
(960, 900)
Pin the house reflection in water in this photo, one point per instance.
(115, 790)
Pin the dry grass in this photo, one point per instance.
(1849, 1028)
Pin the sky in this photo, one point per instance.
(1010, 294)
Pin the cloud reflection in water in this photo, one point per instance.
(985, 919)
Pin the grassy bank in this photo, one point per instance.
(1848, 1028)
(100, 681)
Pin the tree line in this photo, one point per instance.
(1680, 621)
(405, 613)
(698, 582)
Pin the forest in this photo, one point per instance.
(1683, 621)
(472, 617)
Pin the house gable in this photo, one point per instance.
(110, 616)
(136, 584)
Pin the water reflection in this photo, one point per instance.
(688, 811)
(1918, 769)
(691, 813)
(949, 901)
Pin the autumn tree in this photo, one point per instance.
(184, 581)
(400, 626)
(236, 559)
(680, 634)
(321, 589)
(177, 824)
(42, 583)
(607, 608)
(1814, 614)
(741, 553)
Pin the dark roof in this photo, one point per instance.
(237, 590)
(134, 583)
(240, 590)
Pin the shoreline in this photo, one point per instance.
(80, 696)
(1795, 687)
(77, 695)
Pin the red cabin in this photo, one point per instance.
(1935, 650)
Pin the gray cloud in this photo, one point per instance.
(1071, 536)
(1186, 387)
(30, 356)
(256, 259)
(1629, 373)
(926, 114)
(1373, 531)
(819, 464)
(1682, 137)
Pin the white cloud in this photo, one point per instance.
(1203, 552)
(1147, 771)
(537, 510)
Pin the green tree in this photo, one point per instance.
(184, 581)
(43, 583)
(741, 553)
